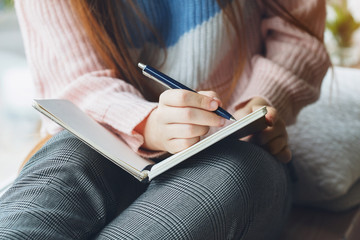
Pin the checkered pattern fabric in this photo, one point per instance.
(234, 190)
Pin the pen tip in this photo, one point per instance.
(232, 119)
(141, 65)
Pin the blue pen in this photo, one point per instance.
(171, 83)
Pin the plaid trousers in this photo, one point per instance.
(232, 190)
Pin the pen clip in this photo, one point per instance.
(155, 79)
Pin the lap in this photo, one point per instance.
(218, 193)
(227, 192)
(66, 190)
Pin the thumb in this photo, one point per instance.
(256, 107)
(271, 116)
(213, 95)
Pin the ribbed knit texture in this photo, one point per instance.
(287, 65)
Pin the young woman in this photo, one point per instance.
(239, 54)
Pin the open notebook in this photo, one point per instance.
(70, 117)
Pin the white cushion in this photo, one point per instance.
(326, 140)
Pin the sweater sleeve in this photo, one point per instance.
(289, 72)
(64, 65)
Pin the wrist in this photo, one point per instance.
(149, 133)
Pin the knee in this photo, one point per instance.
(62, 153)
(249, 176)
(246, 166)
(232, 185)
(258, 186)
(240, 169)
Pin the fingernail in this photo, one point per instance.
(218, 101)
(213, 105)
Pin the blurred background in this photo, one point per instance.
(342, 36)
(19, 123)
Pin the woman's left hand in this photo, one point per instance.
(274, 138)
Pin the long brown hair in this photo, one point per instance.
(106, 24)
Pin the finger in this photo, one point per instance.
(284, 155)
(210, 94)
(186, 130)
(271, 116)
(242, 112)
(271, 133)
(276, 145)
(213, 95)
(248, 138)
(191, 116)
(178, 144)
(185, 98)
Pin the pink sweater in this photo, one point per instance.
(287, 65)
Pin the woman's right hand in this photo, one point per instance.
(180, 119)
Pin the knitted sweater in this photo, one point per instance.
(286, 65)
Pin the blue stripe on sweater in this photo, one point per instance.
(173, 18)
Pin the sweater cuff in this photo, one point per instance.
(280, 88)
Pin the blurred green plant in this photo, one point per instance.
(6, 4)
(344, 25)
